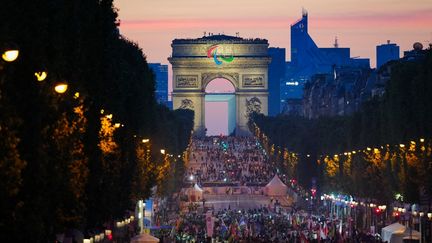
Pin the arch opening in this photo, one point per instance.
(220, 85)
(220, 107)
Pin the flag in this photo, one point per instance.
(322, 232)
(325, 230)
(210, 224)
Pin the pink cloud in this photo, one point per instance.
(417, 19)
(203, 23)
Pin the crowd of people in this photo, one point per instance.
(242, 160)
(265, 225)
(237, 160)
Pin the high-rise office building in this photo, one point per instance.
(307, 59)
(385, 53)
(161, 77)
(275, 76)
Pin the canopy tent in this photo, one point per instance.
(276, 187)
(144, 238)
(395, 233)
(194, 193)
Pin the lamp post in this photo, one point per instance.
(10, 55)
(141, 215)
(41, 76)
(61, 87)
(421, 214)
(429, 215)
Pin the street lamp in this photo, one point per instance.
(146, 140)
(421, 214)
(10, 55)
(162, 151)
(61, 87)
(41, 76)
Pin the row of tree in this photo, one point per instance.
(333, 150)
(79, 159)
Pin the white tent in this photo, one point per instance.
(195, 193)
(144, 238)
(395, 233)
(276, 187)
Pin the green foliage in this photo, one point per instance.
(54, 174)
(402, 115)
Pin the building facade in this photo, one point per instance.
(276, 75)
(385, 53)
(243, 62)
(337, 94)
(160, 72)
(307, 59)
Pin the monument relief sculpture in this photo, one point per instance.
(187, 104)
(253, 105)
(187, 81)
(253, 80)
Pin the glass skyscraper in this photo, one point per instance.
(385, 53)
(161, 77)
(308, 59)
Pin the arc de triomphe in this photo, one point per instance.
(243, 62)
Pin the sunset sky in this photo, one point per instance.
(358, 24)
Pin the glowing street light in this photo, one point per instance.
(146, 140)
(61, 87)
(162, 151)
(41, 76)
(10, 55)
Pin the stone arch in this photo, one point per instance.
(206, 78)
(243, 62)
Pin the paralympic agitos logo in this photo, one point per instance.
(212, 53)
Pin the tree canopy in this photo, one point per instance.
(64, 155)
(381, 150)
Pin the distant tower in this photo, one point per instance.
(161, 77)
(276, 73)
(304, 12)
(386, 52)
(336, 44)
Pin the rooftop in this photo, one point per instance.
(220, 38)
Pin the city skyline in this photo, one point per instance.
(360, 25)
